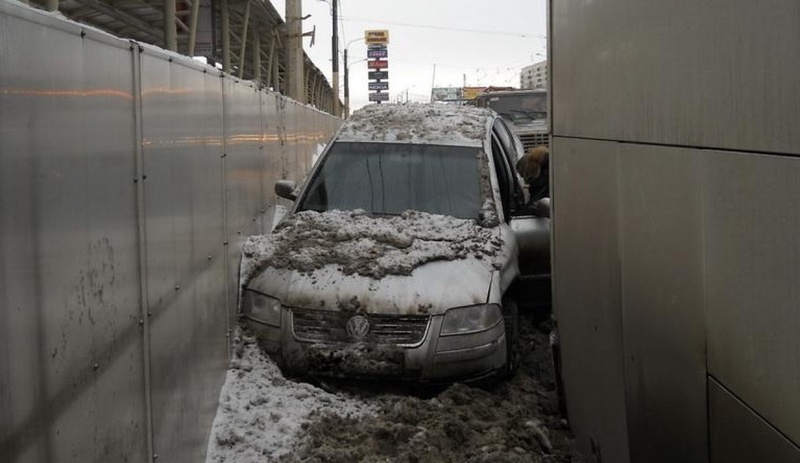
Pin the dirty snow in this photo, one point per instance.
(369, 246)
(265, 417)
(261, 412)
(435, 124)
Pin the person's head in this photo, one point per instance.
(529, 165)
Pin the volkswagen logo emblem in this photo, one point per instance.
(357, 327)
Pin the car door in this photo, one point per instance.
(532, 230)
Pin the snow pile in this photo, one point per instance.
(261, 412)
(263, 417)
(514, 422)
(435, 124)
(369, 246)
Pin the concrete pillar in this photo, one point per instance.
(193, 26)
(295, 68)
(256, 55)
(243, 48)
(225, 30)
(170, 29)
(337, 111)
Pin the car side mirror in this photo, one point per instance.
(285, 189)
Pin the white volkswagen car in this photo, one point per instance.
(400, 255)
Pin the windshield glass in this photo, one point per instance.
(389, 178)
(520, 108)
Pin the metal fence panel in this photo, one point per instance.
(716, 74)
(739, 435)
(753, 263)
(243, 173)
(663, 316)
(117, 289)
(182, 150)
(271, 156)
(71, 368)
(243, 164)
(586, 296)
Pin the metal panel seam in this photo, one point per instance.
(225, 241)
(144, 321)
(704, 262)
(621, 289)
(711, 379)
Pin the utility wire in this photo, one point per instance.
(442, 28)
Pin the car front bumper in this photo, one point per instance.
(436, 358)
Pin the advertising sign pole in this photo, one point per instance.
(377, 64)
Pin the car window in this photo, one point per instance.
(505, 164)
(503, 175)
(511, 143)
(389, 178)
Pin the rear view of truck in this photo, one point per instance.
(524, 110)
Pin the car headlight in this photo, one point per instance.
(464, 320)
(262, 308)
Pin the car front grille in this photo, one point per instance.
(529, 140)
(325, 326)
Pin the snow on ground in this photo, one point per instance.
(264, 417)
(261, 412)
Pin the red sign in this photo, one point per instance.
(378, 64)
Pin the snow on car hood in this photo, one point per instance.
(436, 124)
(413, 263)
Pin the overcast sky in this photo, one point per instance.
(480, 42)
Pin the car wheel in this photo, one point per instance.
(511, 321)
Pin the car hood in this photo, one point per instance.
(430, 289)
(414, 263)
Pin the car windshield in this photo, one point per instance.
(389, 178)
(528, 107)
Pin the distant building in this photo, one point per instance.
(534, 76)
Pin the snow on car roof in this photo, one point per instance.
(417, 123)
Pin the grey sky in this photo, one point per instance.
(485, 42)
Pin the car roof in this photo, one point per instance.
(439, 124)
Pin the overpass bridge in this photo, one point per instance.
(248, 39)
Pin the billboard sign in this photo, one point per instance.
(379, 85)
(469, 93)
(378, 97)
(378, 75)
(446, 94)
(378, 64)
(378, 53)
(376, 37)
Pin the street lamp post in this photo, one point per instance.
(335, 53)
(347, 83)
(346, 86)
(347, 78)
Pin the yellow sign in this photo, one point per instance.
(376, 37)
(469, 93)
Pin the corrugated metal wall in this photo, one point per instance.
(128, 180)
(676, 216)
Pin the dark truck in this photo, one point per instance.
(525, 111)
